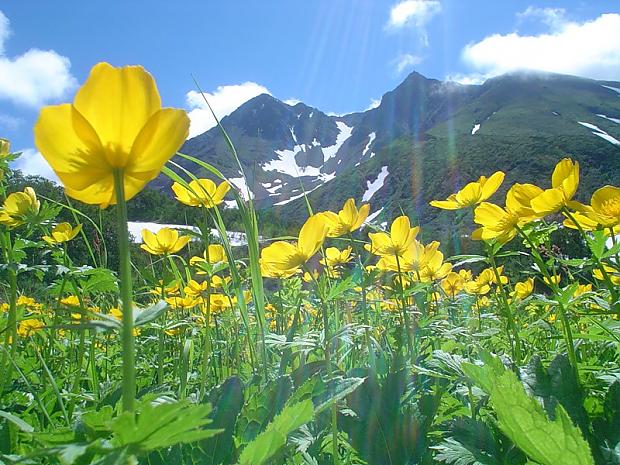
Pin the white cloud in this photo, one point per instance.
(413, 12)
(292, 101)
(589, 49)
(552, 17)
(35, 77)
(405, 61)
(224, 100)
(32, 162)
(468, 79)
(374, 103)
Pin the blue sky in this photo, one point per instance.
(337, 55)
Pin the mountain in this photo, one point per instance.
(426, 139)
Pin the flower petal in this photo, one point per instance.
(118, 102)
(160, 138)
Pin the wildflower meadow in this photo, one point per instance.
(349, 343)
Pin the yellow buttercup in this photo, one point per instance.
(115, 125)
(165, 242)
(201, 193)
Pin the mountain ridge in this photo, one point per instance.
(422, 132)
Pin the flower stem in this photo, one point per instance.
(129, 356)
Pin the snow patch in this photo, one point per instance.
(293, 135)
(343, 135)
(613, 88)
(373, 215)
(475, 129)
(371, 137)
(135, 229)
(374, 186)
(599, 132)
(615, 120)
(286, 163)
(240, 184)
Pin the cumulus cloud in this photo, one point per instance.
(224, 100)
(590, 48)
(413, 12)
(35, 77)
(405, 61)
(32, 163)
(292, 101)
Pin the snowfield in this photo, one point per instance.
(374, 186)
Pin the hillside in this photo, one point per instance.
(425, 139)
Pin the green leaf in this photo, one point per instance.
(523, 419)
(21, 424)
(266, 444)
(151, 313)
(162, 425)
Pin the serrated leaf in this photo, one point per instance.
(524, 421)
(267, 443)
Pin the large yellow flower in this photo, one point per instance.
(285, 257)
(603, 211)
(472, 194)
(501, 223)
(116, 123)
(397, 242)
(347, 220)
(564, 182)
(62, 232)
(18, 207)
(201, 193)
(165, 242)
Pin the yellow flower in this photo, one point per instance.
(18, 207)
(614, 275)
(452, 284)
(309, 278)
(414, 258)
(195, 289)
(214, 254)
(116, 313)
(582, 289)
(347, 220)
(472, 194)
(552, 280)
(115, 123)
(5, 148)
(217, 281)
(398, 241)
(524, 288)
(71, 301)
(165, 242)
(268, 271)
(62, 232)
(161, 288)
(564, 182)
(182, 302)
(603, 211)
(336, 257)
(283, 256)
(501, 223)
(27, 327)
(201, 193)
(435, 268)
